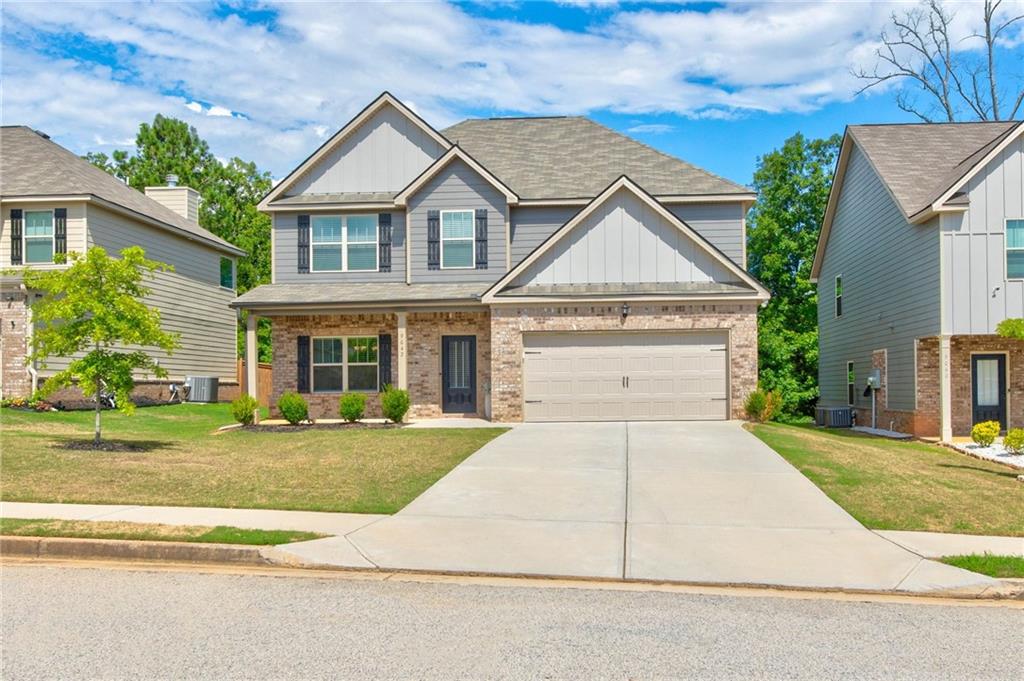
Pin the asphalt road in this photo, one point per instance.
(77, 622)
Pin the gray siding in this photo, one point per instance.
(455, 187)
(890, 272)
(625, 241)
(976, 293)
(722, 224)
(286, 254)
(531, 226)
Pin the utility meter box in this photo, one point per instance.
(875, 379)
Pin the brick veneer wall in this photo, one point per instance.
(424, 340)
(14, 377)
(509, 322)
(902, 421)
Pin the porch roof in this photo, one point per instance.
(351, 293)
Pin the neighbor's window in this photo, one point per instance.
(456, 239)
(839, 295)
(38, 235)
(851, 384)
(342, 363)
(227, 273)
(1015, 249)
(344, 243)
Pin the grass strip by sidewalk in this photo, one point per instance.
(103, 529)
(1000, 567)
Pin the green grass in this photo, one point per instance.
(893, 485)
(89, 529)
(999, 567)
(185, 462)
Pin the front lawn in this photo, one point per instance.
(183, 461)
(1000, 567)
(106, 529)
(891, 485)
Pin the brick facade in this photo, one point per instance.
(15, 380)
(509, 322)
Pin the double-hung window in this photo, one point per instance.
(344, 243)
(38, 235)
(456, 239)
(1015, 249)
(227, 273)
(851, 384)
(839, 295)
(345, 363)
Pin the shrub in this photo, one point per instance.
(1014, 441)
(394, 403)
(985, 433)
(293, 408)
(244, 409)
(763, 405)
(351, 406)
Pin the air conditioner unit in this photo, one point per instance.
(203, 388)
(834, 417)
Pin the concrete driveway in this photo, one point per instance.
(681, 501)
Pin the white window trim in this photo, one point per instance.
(851, 369)
(1007, 249)
(344, 364)
(234, 274)
(837, 297)
(25, 237)
(471, 238)
(344, 243)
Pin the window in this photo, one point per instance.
(341, 364)
(38, 236)
(1015, 249)
(344, 243)
(227, 273)
(839, 295)
(851, 384)
(456, 239)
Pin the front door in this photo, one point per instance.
(988, 388)
(458, 374)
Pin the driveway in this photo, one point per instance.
(681, 501)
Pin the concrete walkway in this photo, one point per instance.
(939, 544)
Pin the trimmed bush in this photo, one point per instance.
(244, 409)
(1014, 441)
(394, 403)
(985, 433)
(293, 408)
(351, 406)
(763, 405)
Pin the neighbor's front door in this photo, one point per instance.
(458, 374)
(988, 388)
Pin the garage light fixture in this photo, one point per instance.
(625, 310)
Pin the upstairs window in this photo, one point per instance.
(361, 243)
(327, 244)
(344, 243)
(851, 384)
(456, 239)
(227, 273)
(1015, 249)
(839, 295)
(38, 236)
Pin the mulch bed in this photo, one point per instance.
(102, 446)
(322, 426)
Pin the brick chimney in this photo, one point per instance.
(182, 200)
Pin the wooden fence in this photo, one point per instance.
(264, 381)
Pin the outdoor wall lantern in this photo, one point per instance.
(625, 310)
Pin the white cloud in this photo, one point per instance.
(218, 111)
(651, 129)
(194, 106)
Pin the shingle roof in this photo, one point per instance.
(574, 157)
(921, 161)
(271, 295)
(33, 165)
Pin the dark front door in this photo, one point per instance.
(988, 388)
(458, 374)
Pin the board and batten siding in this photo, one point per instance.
(976, 293)
(457, 187)
(286, 263)
(76, 228)
(890, 271)
(384, 154)
(625, 241)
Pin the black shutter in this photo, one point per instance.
(60, 230)
(433, 239)
(384, 242)
(303, 244)
(383, 361)
(15, 236)
(303, 364)
(481, 239)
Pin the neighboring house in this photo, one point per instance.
(54, 202)
(544, 269)
(921, 255)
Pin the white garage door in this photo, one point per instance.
(625, 376)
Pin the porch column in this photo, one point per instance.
(252, 358)
(403, 350)
(945, 390)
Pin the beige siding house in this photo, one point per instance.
(54, 202)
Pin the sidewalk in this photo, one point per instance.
(938, 544)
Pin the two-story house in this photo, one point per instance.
(547, 269)
(55, 202)
(921, 255)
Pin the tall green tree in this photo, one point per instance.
(792, 185)
(94, 309)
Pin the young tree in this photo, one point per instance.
(792, 186)
(94, 309)
(1011, 328)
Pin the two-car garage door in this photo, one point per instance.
(629, 376)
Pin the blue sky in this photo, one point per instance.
(717, 84)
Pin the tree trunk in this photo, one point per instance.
(99, 407)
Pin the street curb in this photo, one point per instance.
(60, 547)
